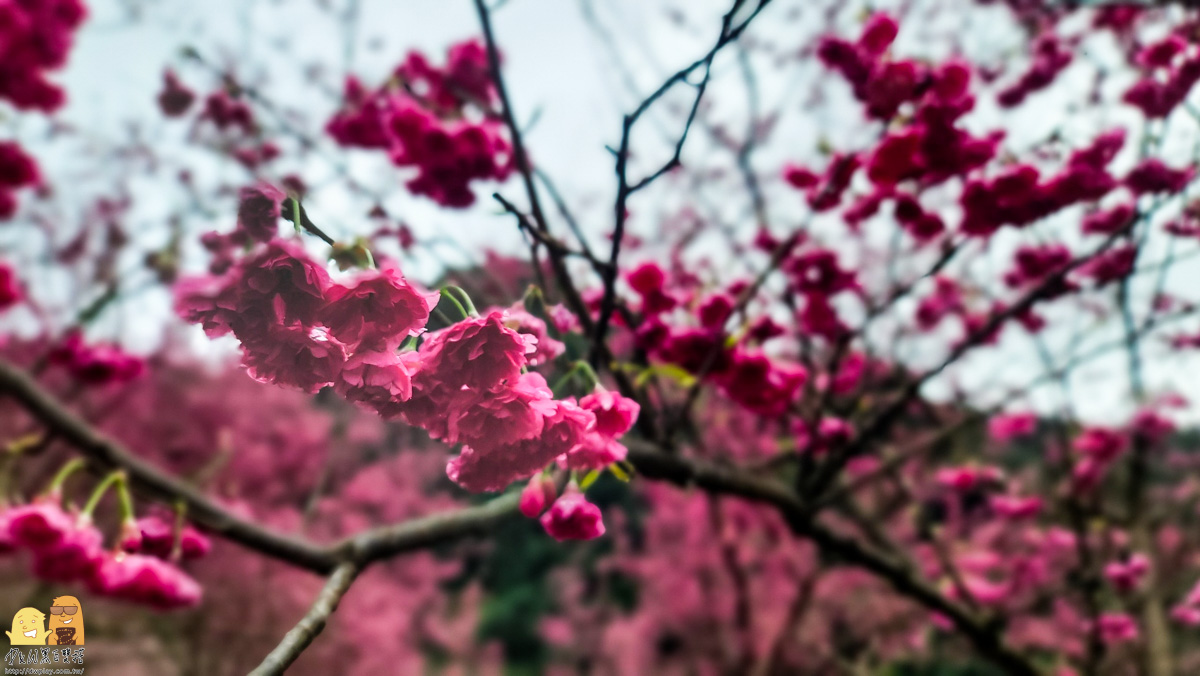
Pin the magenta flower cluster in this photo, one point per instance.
(66, 547)
(427, 118)
(467, 384)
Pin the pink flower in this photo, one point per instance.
(572, 517)
(761, 385)
(144, 580)
(74, 557)
(64, 547)
(1125, 575)
(595, 451)
(538, 493)
(1153, 176)
(968, 477)
(1189, 615)
(175, 98)
(17, 168)
(832, 433)
(1005, 428)
(1151, 426)
(715, 311)
(1100, 443)
(10, 287)
(155, 536)
(499, 462)
(878, 33)
(521, 321)
(820, 318)
(38, 526)
(510, 414)
(1112, 265)
(1160, 54)
(479, 352)
(646, 278)
(897, 157)
(819, 272)
(945, 300)
(1014, 507)
(1109, 221)
(380, 309)
(295, 356)
(985, 591)
(379, 380)
(258, 211)
(1050, 57)
(279, 285)
(226, 111)
(97, 364)
(615, 414)
(1115, 628)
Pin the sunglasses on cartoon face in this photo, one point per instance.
(59, 610)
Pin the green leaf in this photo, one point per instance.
(619, 472)
(676, 373)
(589, 479)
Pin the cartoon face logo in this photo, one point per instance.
(66, 622)
(28, 628)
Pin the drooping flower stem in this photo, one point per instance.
(118, 479)
(60, 477)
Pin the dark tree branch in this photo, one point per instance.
(106, 454)
(300, 636)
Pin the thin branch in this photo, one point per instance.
(625, 188)
(300, 636)
(519, 155)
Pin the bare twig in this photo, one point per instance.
(729, 33)
(300, 636)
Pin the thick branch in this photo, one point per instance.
(360, 549)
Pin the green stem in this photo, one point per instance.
(125, 500)
(296, 215)
(579, 367)
(180, 521)
(464, 297)
(450, 297)
(67, 470)
(117, 477)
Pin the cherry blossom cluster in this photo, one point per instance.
(1171, 68)
(35, 37)
(67, 547)
(466, 384)
(427, 118)
(228, 112)
(741, 370)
